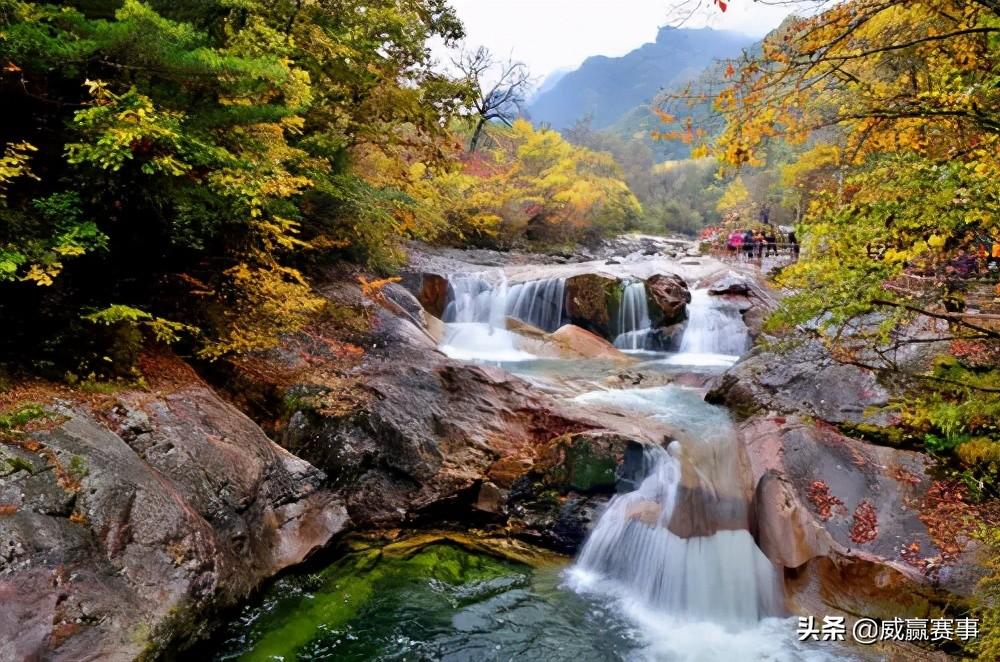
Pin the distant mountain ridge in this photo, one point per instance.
(606, 88)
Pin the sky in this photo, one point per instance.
(550, 35)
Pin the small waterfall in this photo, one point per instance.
(476, 319)
(538, 302)
(722, 578)
(714, 327)
(476, 298)
(478, 307)
(633, 317)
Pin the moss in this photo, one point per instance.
(883, 436)
(589, 469)
(347, 590)
(18, 464)
(15, 420)
(581, 466)
(77, 468)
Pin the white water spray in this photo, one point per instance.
(633, 317)
(722, 578)
(479, 305)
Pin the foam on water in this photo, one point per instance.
(475, 341)
(714, 327)
(723, 578)
(477, 309)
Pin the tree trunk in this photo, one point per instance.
(477, 134)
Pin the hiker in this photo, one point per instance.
(771, 239)
(735, 243)
(795, 245)
(758, 243)
(765, 215)
(748, 244)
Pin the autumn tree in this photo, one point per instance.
(498, 89)
(169, 168)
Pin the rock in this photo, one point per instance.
(556, 501)
(592, 301)
(491, 499)
(667, 338)
(842, 514)
(586, 462)
(430, 289)
(670, 295)
(580, 343)
(421, 433)
(731, 283)
(567, 342)
(150, 514)
(804, 379)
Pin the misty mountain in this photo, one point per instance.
(606, 88)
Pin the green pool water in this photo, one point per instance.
(439, 602)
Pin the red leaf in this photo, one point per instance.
(722, 5)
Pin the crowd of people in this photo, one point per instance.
(760, 242)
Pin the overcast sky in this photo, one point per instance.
(554, 34)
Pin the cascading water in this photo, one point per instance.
(715, 333)
(723, 578)
(479, 305)
(538, 302)
(475, 319)
(633, 317)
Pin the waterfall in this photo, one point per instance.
(478, 307)
(475, 320)
(715, 332)
(538, 302)
(722, 578)
(633, 317)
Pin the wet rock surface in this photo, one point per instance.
(592, 302)
(139, 519)
(839, 513)
(670, 294)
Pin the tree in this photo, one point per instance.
(176, 165)
(498, 89)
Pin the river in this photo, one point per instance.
(640, 588)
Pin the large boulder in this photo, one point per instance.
(580, 343)
(805, 379)
(430, 289)
(730, 283)
(670, 296)
(839, 513)
(419, 434)
(592, 302)
(567, 342)
(130, 520)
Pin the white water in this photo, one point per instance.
(633, 317)
(715, 334)
(477, 311)
(538, 302)
(723, 578)
(697, 599)
(475, 320)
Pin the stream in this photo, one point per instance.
(637, 589)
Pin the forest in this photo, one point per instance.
(177, 177)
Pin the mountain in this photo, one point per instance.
(606, 88)
(550, 81)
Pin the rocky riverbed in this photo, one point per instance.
(505, 394)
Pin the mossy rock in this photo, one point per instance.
(584, 462)
(592, 302)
